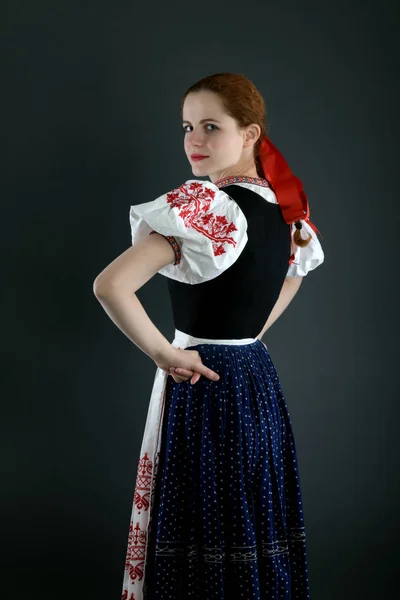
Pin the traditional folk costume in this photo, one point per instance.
(217, 509)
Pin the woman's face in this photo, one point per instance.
(210, 132)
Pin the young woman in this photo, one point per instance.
(217, 510)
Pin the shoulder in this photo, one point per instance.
(207, 228)
(186, 204)
(204, 192)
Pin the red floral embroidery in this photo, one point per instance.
(136, 552)
(137, 538)
(143, 481)
(125, 596)
(193, 201)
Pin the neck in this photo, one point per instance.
(249, 173)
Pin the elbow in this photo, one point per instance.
(104, 287)
(101, 288)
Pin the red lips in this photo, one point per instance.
(197, 156)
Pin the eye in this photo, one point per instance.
(206, 124)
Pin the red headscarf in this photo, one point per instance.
(286, 186)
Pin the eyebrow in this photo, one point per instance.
(202, 121)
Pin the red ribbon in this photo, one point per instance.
(286, 186)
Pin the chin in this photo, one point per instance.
(197, 169)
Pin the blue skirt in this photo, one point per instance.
(227, 520)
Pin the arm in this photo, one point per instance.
(289, 289)
(115, 289)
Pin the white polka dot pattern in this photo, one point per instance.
(226, 510)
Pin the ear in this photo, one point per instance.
(252, 134)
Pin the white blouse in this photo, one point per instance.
(210, 229)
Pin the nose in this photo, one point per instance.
(196, 138)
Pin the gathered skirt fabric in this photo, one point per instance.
(226, 519)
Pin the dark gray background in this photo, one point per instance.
(90, 100)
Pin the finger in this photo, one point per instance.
(183, 371)
(198, 367)
(193, 375)
(195, 378)
(178, 379)
(201, 370)
(190, 374)
(182, 374)
(209, 373)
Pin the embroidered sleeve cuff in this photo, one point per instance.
(175, 246)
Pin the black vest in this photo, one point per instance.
(237, 303)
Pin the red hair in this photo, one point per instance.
(243, 102)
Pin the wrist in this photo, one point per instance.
(161, 352)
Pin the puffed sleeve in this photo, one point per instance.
(308, 257)
(205, 227)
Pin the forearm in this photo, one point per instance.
(128, 314)
(289, 289)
